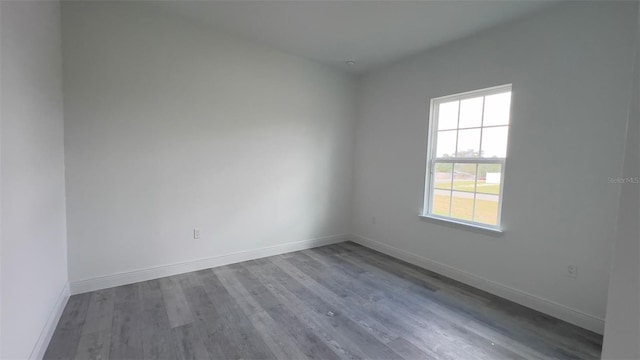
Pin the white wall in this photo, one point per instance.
(171, 126)
(570, 68)
(34, 251)
(622, 330)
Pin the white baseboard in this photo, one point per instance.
(548, 307)
(50, 326)
(82, 286)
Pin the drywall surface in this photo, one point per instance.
(34, 251)
(622, 330)
(170, 126)
(570, 68)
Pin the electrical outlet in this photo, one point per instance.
(572, 270)
(196, 233)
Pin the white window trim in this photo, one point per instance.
(430, 163)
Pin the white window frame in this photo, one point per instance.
(427, 211)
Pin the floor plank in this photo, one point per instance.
(157, 340)
(66, 338)
(126, 330)
(94, 345)
(175, 302)
(188, 343)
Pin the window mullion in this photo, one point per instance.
(469, 160)
(455, 150)
(453, 165)
(481, 129)
(475, 192)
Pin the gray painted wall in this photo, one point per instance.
(570, 68)
(34, 251)
(622, 330)
(171, 126)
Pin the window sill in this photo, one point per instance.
(495, 231)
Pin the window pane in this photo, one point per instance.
(470, 113)
(487, 209)
(442, 175)
(494, 142)
(489, 178)
(496, 109)
(441, 202)
(462, 205)
(448, 115)
(468, 143)
(446, 144)
(464, 177)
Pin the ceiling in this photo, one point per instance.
(371, 33)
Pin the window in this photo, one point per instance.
(466, 157)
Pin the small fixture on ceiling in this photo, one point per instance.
(350, 62)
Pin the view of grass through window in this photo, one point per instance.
(470, 148)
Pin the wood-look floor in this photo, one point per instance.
(341, 301)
